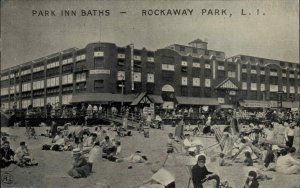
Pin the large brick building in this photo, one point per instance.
(103, 73)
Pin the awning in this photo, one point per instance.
(141, 98)
(258, 104)
(101, 97)
(156, 99)
(290, 104)
(197, 101)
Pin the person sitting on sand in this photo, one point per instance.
(200, 174)
(192, 146)
(107, 147)
(89, 142)
(286, 164)
(270, 158)
(251, 181)
(248, 160)
(222, 160)
(113, 156)
(81, 168)
(7, 155)
(22, 156)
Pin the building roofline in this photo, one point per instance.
(194, 47)
(261, 58)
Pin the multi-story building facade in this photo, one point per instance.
(177, 74)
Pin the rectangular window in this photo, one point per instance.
(150, 59)
(253, 86)
(207, 66)
(52, 72)
(207, 83)
(38, 75)
(167, 67)
(121, 75)
(292, 89)
(67, 61)
(231, 74)
(67, 68)
(273, 88)
(244, 85)
(196, 82)
(150, 78)
(121, 56)
(81, 77)
(137, 58)
(67, 79)
(137, 77)
(196, 65)
(98, 54)
(182, 48)
(184, 81)
(184, 63)
(262, 87)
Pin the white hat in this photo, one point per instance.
(275, 147)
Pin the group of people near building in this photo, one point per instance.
(21, 156)
(269, 144)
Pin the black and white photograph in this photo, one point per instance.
(150, 94)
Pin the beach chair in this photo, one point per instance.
(189, 172)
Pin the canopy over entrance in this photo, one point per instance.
(227, 84)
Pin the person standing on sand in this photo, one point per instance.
(179, 130)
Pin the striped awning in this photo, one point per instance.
(227, 84)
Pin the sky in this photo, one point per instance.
(274, 35)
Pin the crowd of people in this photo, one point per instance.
(264, 141)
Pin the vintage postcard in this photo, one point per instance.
(123, 94)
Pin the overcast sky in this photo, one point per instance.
(274, 35)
